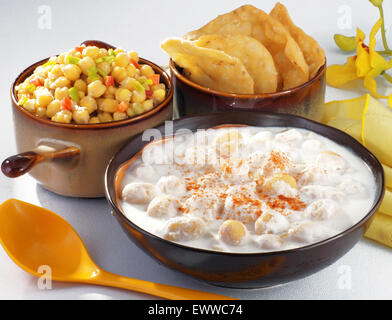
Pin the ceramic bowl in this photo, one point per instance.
(306, 100)
(70, 159)
(245, 270)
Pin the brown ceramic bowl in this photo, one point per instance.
(70, 159)
(246, 270)
(306, 100)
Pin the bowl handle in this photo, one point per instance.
(97, 43)
(22, 163)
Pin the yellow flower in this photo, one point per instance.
(366, 65)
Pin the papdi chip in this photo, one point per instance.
(313, 53)
(209, 67)
(250, 21)
(255, 57)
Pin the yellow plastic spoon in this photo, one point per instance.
(33, 236)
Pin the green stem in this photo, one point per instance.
(387, 76)
(384, 39)
(385, 52)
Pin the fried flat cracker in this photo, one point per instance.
(210, 68)
(313, 53)
(250, 21)
(255, 57)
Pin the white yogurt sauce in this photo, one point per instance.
(247, 189)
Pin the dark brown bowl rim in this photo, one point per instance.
(380, 189)
(27, 71)
(180, 76)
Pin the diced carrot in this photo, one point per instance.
(122, 106)
(80, 49)
(155, 78)
(137, 66)
(108, 81)
(66, 104)
(37, 82)
(149, 94)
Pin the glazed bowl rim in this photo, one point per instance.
(380, 188)
(175, 72)
(27, 71)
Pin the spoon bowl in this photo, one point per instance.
(33, 237)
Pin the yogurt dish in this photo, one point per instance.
(246, 189)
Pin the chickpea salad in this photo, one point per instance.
(246, 189)
(88, 85)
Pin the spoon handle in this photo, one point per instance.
(109, 279)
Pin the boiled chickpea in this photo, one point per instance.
(131, 70)
(146, 70)
(61, 93)
(96, 89)
(71, 71)
(53, 108)
(148, 105)
(129, 83)
(122, 59)
(30, 105)
(91, 51)
(80, 85)
(134, 55)
(119, 73)
(89, 103)
(105, 117)
(63, 116)
(159, 95)
(60, 82)
(105, 67)
(138, 96)
(119, 116)
(123, 94)
(108, 105)
(94, 120)
(110, 92)
(81, 115)
(85, 64)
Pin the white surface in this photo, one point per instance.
(363, 273)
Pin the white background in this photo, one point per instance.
(141, 26)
